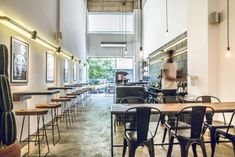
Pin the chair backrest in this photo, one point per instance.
(197, 114)
(166, 99)
(230, 122)
(147, 120)
(132, 100)
(207, 99)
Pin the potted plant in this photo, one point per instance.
(9, 145)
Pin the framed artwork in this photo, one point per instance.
(50, 67)
(19, 61)
(74, 72)
(66, 68)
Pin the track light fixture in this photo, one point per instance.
(34, 35)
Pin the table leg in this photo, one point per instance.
(111, 135)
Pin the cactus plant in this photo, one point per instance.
(7, 118)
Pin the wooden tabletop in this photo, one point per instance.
(175, 107)
(19, 96)
(59, 88)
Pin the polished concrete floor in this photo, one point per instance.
(89, 135)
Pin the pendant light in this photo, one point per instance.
(125, 26)
(167, 31)
(228, 53)
(141, 55)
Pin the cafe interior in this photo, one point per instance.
(86, 78)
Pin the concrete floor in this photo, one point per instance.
(89, 135)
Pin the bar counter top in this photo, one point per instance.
(19, 96)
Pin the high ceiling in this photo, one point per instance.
(112, 5)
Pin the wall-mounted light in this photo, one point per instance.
(26, 32)
(228, 53)
(32, 34)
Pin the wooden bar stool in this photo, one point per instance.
(64, 109)
(38, 113)
(54, 121)
(76, 103)
(71, 106)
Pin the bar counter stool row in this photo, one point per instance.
(68, 105)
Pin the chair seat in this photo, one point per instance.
(61, 100)
(28, 112)
(224, 134)
(50, 105)
(132, 135)
(219, 124)
(172, 125)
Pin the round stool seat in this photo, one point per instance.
(61, 100)
(73, 94)
(50, 105)
(69, 96)
(29, 112)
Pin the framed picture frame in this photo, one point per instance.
(66, 68)
(74, 72)
(19, 61)
(50, 67)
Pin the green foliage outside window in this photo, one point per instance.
(101, 68)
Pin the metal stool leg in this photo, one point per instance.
(44, 128)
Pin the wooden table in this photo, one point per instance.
(166, 109)
(20, 96)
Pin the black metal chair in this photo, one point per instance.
(127, 100)
(147, 120)
(132, 100)
(194, 134)
(171, 122)
(212, 125)
(226, 134)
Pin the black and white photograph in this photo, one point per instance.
(19, 61)
(74, 72)
(66, 68)
(50, 67)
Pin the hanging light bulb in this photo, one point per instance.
(126, 51)
(167, 32)
(228, 53)
(141, 52)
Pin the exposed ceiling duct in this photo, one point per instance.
(111, 5)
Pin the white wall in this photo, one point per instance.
(198, 46)
(41, 15)
(154, 22)
(73, 27)
(95, 49)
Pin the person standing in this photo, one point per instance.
(169, 75)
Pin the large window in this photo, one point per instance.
(103, 70)
(110, 23)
